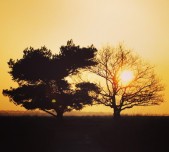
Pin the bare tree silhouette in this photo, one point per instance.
(144, 89)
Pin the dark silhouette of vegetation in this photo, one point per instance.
(144, 89)
(43, 79)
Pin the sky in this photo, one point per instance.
(142, 25)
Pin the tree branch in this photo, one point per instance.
(49, 112)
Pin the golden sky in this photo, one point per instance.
(142, 25)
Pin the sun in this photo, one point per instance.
(126, 77)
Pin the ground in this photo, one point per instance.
(84, 134)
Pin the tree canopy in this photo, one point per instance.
(42, 78)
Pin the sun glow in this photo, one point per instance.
(126, 77)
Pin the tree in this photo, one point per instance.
(42, 79)
(125, 80)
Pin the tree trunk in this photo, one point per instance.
(116, 114)
(59, 115)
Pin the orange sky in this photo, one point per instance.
(143, 25)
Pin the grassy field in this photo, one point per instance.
(84, 134)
